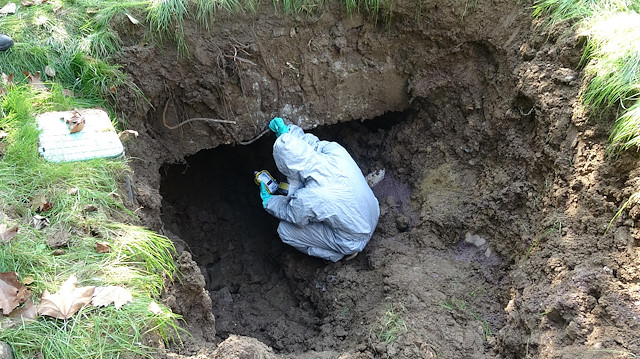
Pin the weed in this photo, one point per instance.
(632, 199)
(454, 304)
(390, 325)
(557, 227)
(612, 58)
(140, 260)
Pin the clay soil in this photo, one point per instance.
(494, 239)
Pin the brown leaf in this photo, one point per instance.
(119, 296)
(41, 204)
(26, 312)
(127, 135)
(112, 89)
(76, 122)
(12, 293)
(50, 71)
(154, 308)
(35, 82)
(6, 234)
(67, 301)
(9, 8)
(103, 247)
(7, 80)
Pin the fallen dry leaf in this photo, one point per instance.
(26, 312)
(50, 71)
(133, 19)
(76, 122)
(92, 10)
(35, 82)
(67, 301)
(126, 135)
(39, 222)
(119, 296)
(41, 204)
(12, 292)
(9, 8)
(27, 280)
(7, 80)
(6, 234)
(32, 2)
(154, 308)
(103, 247)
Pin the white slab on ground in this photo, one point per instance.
(98, 138)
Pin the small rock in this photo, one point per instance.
(488, 252)
(403, 222)
(89, 208)
(5, 351)
(58, 252)
(375, 177)
(474, 239)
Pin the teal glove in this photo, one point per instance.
(264, 194)
(277, 125)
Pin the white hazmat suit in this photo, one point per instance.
(330, 210)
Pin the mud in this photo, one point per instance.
(494, 237)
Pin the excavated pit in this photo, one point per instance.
(492, 239)
(264, 289)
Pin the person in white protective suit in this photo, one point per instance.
(330, 211)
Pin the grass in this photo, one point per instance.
(611, 59)
(390, 325)
(556, 228)
(455, 304)
(139, 260)
(611, 56)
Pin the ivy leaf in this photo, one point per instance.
(12, 292)
(119, 296)
(67, 301)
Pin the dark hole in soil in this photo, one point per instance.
(212, 203)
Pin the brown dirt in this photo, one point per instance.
(477, 122)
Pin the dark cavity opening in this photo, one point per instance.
(212, 203)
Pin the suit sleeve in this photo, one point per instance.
(296, 208)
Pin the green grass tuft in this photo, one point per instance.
(390, 325)
(139, 260)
